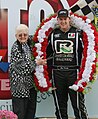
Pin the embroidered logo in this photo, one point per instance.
(65, 46)
(57, 35)
(71, 35)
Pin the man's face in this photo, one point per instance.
(22, 35)
(64, 23)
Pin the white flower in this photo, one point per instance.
(39, 52)
(39, 68)
(74, 87)
(88, 21)
(38, 45)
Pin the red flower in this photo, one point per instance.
(43, 49)
(35, 39)
(46, 33)
(45, 67)
(44, 55)
(46, 73)
(50, 29)
(80, 89)
(84, 84)
(96, 48)
(45, 43)
(83, 62)
(35, 54)
(34, 49)
(91, 78)
(47, 77)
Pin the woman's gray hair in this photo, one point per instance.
(21, 27)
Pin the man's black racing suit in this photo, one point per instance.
(64, 53)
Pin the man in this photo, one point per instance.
(21, 70)
(65, 45)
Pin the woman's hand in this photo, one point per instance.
(41, 61)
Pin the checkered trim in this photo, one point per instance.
(84, 7)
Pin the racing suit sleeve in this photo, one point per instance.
(80, 47)
(49, 52)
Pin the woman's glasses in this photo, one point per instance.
(23, 35)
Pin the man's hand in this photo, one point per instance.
(52, 89)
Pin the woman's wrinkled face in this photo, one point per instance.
(22, 35)
(64, 23)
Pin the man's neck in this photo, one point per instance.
(65, 30)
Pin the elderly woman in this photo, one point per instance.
(21, 70)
